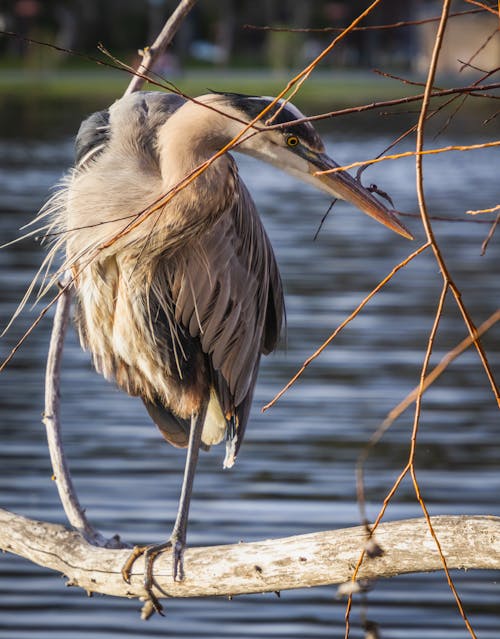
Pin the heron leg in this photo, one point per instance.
(178, 536)
(177, 540)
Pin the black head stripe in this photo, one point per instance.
(252, 106)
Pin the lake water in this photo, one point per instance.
(295, 473)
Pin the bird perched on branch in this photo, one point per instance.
(178, 293)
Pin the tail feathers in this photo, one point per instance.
(174, 429)
(232, 443)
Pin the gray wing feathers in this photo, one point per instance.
(92, 137)
(140, 114)
(174, 429)
(230, 295)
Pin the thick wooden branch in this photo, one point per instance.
(277, 564)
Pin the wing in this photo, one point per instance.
(227, 292)
(136, 116)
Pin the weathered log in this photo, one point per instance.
(278, 564)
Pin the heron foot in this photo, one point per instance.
(150, 553)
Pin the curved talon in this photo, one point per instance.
(150, 554)
(137, 552)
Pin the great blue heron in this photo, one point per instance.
(179, 308)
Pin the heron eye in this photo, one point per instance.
(292, 140)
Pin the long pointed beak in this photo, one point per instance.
(342, 185)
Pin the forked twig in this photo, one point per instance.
(392, 416)
(447, 285)
(405, 403)
(356, 312)
(152, 53)
(398, 410)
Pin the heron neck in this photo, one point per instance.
(190, 137)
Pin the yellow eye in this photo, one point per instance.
(292, 140)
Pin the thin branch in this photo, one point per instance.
(152, 53)
(484, 7)
(418, 398)
(51, 417)
(430, 115)
(373, 27)
(479, 49)
(471, 90)
(492, 230)
(423, 207)
(407, 154)
(480, 211)
(294, 85)
(447, 283)
(436, 372)
(416, 423)
(25, 336)
(339, 328)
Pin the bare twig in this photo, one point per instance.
(428, 380)
(470, 90)
(27, 333)
(398, 410)
(356, 312)
(51, 419)
(371, 27)
(480, 211)
(407, 154)
(492, 230)
(484, 7)
(447, 282)
(152, 53)
(425, 216)
(479, 49)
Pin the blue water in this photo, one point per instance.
(295, 473)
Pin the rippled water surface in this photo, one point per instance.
(295, 473)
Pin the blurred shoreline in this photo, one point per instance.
(324, 87)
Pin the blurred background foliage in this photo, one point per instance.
(215, 32)
(222, 45)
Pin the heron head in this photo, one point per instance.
(298, 149)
